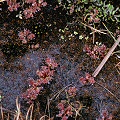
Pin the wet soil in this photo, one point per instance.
(14, 76)
(20, 62)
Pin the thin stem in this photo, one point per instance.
(93, 29)
(108, 91)
(110, 32)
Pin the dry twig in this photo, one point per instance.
(96, 72)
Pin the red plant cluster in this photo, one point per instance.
(35, 6)
(93, 17)
(64, 112)
(72, 9)
(105, 116)
(26, 36)
(13, 5)
(45, 76)
(32, 92)
(72, 91)
(87, 79)
(51, 64)
(97, 52)
(28, 12)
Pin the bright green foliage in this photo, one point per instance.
(84, 7)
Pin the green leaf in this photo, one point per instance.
(75, 33)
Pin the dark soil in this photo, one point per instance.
(18, 62)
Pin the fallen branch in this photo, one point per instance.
(96, 72)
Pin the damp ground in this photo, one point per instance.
(59, 41)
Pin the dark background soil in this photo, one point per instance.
(18, 62)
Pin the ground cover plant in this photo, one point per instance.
(59, 60)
